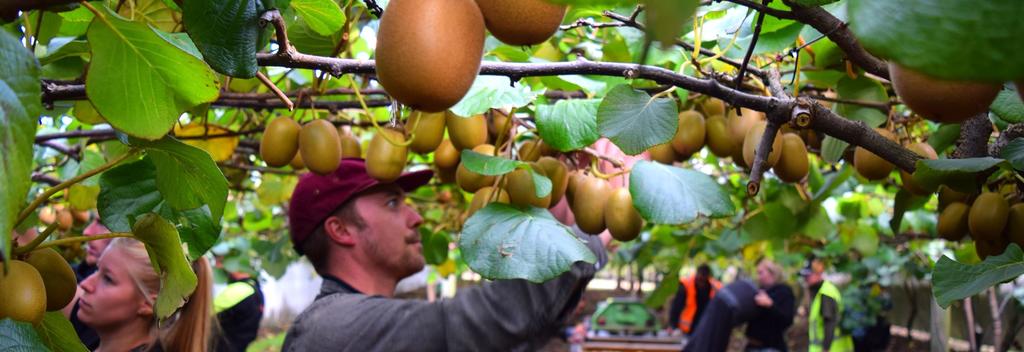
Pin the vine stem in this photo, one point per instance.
(79, 239)
(63, 185)
(36, 241)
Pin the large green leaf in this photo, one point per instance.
(960, 174)
(435, 246)
(862, 89)
(19, 107)
(1014, 153)
(226, 32)
(832, 149)
(57, 334)
(954, 281)
(944, 137)
(670, 195)
(904, 202)
(503, 242)
(665, 19)
(16, 336)
(1007, 108)
(177, 280)
(634, 121)
(766, 225)
(541, 183)
(308, 41)
(187, 176)
(20, 71)
(490, 92)
(568, 124)
(953, 39)
(322, 16)
(487, 164)
(140, 82)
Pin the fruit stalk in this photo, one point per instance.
(36, 241)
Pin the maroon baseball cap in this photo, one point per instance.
(318, 196)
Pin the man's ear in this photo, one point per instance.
(339, 232)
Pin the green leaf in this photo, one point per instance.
(944, 137)
(668, 286)
(503, 242)
(19, 107)
(568, 124)
(832, 149)
(541, 184)
(226, 32)
(490, 92)
(177, 281)
(60, 49)
(812, 3)
(905, 201)
(57, 334)
(1014, 153)
(486, 164)
(1008, 108)
(435, 246)
(187, 176)
(666, 19)
(322, 16)
(308, 41)
(16, 336)
(960, 174)
(635, 122)
(140, 82)
(953, 281)
(952, 39)
(20, 71)
(196, 228)
(766, 226)
(670, 195)
(862, 89)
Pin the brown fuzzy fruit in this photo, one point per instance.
(47, 215)
(446, 156)
(952, 224)
(318, 144)
(498, 124)
(483, 196)
(521, 22)
(297, 163)
(1015, 225)
(426, 130)
(22, 292)
(622, 219)
(385, 161)
(521, 189)
(793, 164)
(948, 196)
(663, 153)
(559, 175)
(65, 220)
(690, 134)
(588, 204)
(575, 178)
(713, 107)
(466, 132)
(471, 181)
(280, 141)
(428, 52)
(988, 216)
(872, 166)
(753, 139)
(529, 151)
(717, 136)
(739, 124)
(926, 151)
(58, 278)
(350, 147)
(942, 100)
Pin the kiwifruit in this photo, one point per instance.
(988, 216)
(428, 52)
(737, 156)
(521, 22)
(483, 196)
(952, 224)
(428, 133)
(793, 164)
(318, 144)
(690, 133)
(22, 292)
(529, 151)
(47, 215)
(941, 100)
(466, 132)
(498, 124)
(575, 178)
(753, 139)
(446, 156)
(471, 181)
(385, 161)
(588, 204)
(521, 191)
(622, 219)
(663, 153)
(713, 107)
(717, 136)
(1015, 224)
(811, 138)
(926, 151)
(81, 216)
(297, 163)
(280, 141)
(65, 220)
(948, 196)
(828, 94)
(740, 123)
(350, 147)
(559, 175)
(872, 166)
(984, 248)
(58, 278)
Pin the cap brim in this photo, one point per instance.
(409, 182)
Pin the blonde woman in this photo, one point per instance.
(119, 299)
(776, 307)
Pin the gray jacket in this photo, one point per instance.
(504, 315)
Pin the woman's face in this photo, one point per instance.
(765, 278)
(110, 296)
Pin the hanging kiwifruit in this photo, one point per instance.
(350, 147)
(471, 181)
(483, 196)
(622, 219)
(926, 151)
(318, 144)
(446, 156)
(588, 204)
(948, 196)
(521, 188)
(297, 163)
(522, 22)
(58, 278)
(498, 124)
(942, 100)
(529, 150)
(280, 141)
(952, 224)
(872, 166)
(988, 216)
(428, 52)
(793, 164)
(690, 133)
(65, 220)
(663, 153)
(466, 132)
(428, 133)
(717, 136)
(575, 178)
(740, 123)
(753, 139)
(384, 160)
(1015, 225)
(22, 292)
(713, 107)
(559, 175)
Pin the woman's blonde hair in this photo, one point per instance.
(773, 268)
(189, 328)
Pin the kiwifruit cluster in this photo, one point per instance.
(41, 281)
(318, 145)
(941, 100)
(993, 219)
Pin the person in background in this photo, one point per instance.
(239, 309)
(825, 314)
(694, 293)
(93, 249)
(776, 308)
(119, 302)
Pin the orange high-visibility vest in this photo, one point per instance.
(690, 311)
